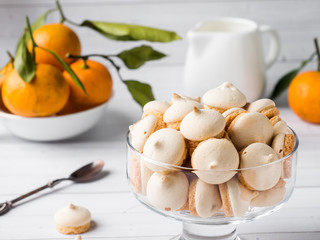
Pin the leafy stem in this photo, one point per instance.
(284, 82)
(107, 57)
(63, 16)
(10, 56)
(31, 37)
(317, 51)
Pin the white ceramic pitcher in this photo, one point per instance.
(229, 49)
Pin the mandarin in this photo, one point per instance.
(304, 96)
(97, 81)
(59, 38)
(4, 73)
(45, 95)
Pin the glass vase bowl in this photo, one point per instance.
(222, 225)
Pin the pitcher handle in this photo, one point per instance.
(274, 48)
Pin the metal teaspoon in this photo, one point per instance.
(83, 174)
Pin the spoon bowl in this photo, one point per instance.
(87, 172)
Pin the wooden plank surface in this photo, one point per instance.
(116, 213)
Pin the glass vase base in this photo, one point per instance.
(209, 232)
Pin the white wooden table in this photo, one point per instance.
(116, 214)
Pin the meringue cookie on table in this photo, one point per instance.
(72, 219)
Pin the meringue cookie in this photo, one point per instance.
(168, 191)
(156, 106)
(204, 199)
(267, 175)
(139, 174)
(231, 114)
(146, 173)
(265, 106)
(279, 126)
(177, 111)
(72, 219)
(235, 197)
(178, 97)
(202, 124)
(142, 130)
(215, 154)
(135, 174)
(278, 144)
(270, 197)
(224, 97)
(283, 145)
(78, 237)
(166, 146)
(248, 128)
(231, 111)
(260, 104)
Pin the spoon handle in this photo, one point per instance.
(50, 184)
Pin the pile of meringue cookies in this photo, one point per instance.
(215, 139)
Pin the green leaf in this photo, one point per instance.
(38, 23)
(41, 20)
(141, 92)
(129, 32)
(24, 62)
(285, 80)
(136, 57)
(66, 67)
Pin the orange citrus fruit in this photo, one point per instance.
(97, 81)
(45, 95)
(56, 37)
(304, 96)
(4, 72)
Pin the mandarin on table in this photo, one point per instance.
(45, 95)
(304, 96)
(59, 38)
(97, 81)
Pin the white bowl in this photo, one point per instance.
(52, 128)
